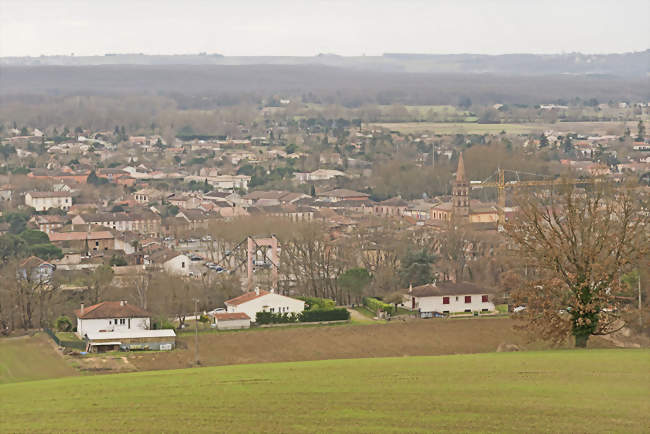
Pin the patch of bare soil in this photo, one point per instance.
(395, 339)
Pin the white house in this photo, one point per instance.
(44, 200)
(449, 297)
(263, 301)
(117, 325)
(171, 262)
(111, 316)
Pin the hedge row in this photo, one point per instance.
(337, 314)
(373, 304)
(315, 315)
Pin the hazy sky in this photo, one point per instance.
(305, 28)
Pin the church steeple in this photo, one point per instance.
(460, 191)
(460, 172)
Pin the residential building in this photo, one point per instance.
(263, 301)
(44, 200)
(449, 297)
(170, 261)
(83, 241)
(48, 223)
(118, 325)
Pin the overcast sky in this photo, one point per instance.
(306, 28)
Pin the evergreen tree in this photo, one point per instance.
(641, 132)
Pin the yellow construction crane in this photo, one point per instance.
(500, 184)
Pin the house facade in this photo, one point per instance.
(448, 297)
(117, 325)
(263, 301)
(44, 200)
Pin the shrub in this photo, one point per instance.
(275, 318)
(63, 324)
(373, 304)
(117, 261)
(162, 324)
(316, 303)
(335, 314)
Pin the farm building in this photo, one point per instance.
(232, 321)
(128, 340)
(263, 301)
(448, 297)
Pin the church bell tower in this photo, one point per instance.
(460, 191)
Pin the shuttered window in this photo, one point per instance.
(445, 300)
(468, 299)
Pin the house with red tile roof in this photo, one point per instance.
(263, 301)
(118, 325)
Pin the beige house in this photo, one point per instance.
(44, 200)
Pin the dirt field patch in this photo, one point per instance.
(395, 339)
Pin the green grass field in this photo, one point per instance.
(565, 390)
(26, 358)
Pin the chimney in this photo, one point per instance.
(257, 290)
(272, 290)
(410, 288)
(81, 311)
(122, 302)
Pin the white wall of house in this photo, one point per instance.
(457, 303)
(45, 203)
(178, 265)
(275, 303)
(233, 324)
(85, 326)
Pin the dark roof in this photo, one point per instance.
(46, 194)
(448, 288)
(394, 201)
(343, 193)
(112, 309)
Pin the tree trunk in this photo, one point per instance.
(581, 340)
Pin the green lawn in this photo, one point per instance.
(34, 358)
(557, 391)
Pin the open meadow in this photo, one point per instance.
(561, 391)
(31, 358)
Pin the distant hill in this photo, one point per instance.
(227, 84)
(635, 64)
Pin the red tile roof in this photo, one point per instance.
(112, 309)
(246, 297)
(230, 316)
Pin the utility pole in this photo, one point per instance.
(640, 310)
(196, 332)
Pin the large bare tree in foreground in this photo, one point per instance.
(578, 243)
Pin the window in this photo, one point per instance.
(272, 309)
(468, 299)
(468, 310)
(183, 264)
(122, 321)
(96, 243)
(484, 298)
(456, 298)
(445, 300)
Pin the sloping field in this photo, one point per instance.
(394, 339)
(557, 391)
(31, 358)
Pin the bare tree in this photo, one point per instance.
(579, 244)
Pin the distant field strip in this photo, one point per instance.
(524, 128)
(557, 391)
